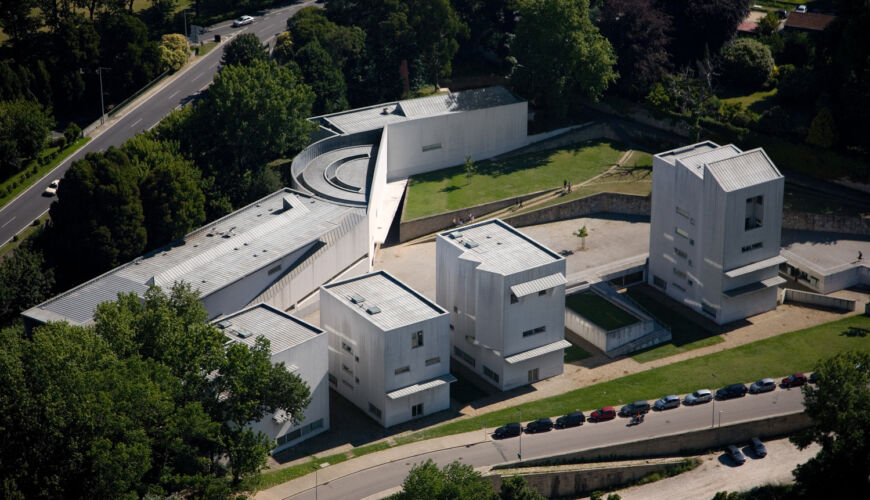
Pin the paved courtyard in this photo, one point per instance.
(826, 251)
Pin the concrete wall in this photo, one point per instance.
(408, 230)
(377, 191)
(825, 223)
(815, 299)
(480, 133)
(681, 444)
(618, 203)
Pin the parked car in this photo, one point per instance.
(666, 403)
(796, 380)
(636, 408)
(508, 430)
(763, 385)
(539, 425)
(602, 414)
(758, 448)
(735, 454)
(242, 21)
(572, 419)
(699, 396)
(731, 391)
(801, 9)
(51, 190)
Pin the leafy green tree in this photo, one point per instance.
(24, 282)
(515, 488)
(769, 24)
(283, 51)
(839, 406)
(133, 60)
(438, 29)
(639, 33)
(244, 50)
(24, 126)
(491, 23)
(251, 116)
(98, 207)
(560, 55)
(345, 44)
(470, 169)
(582, 233)
(823, 131)
(72, 132)
(747, 62)
(174, 51)
(324, 78)
(702, 27)
(74, 54)
(456, 480)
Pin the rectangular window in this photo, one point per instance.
(749, 248)
(464, 356)
(345, 382)
(708, 309)
(346, 347)
(374, 410)
(332, 379)
(489, 373)
(432, 147)
(678, 287)
(682, 212)
(402, 369)
(433, 361)
(542, 292)
(416, 339)
(754, 212)
(534, 331)
(680, 253)
(533, 375)
(681, 274)
(346, 368)
(417, 410)
(659, 282)
(514, 299)
(275, 269)
(681, 232)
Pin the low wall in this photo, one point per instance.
(817, 299)
(422, 226)
(825, 223)
(682, 444)
(618, 203)
(571, 483)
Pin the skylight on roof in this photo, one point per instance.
(373, 309)
(357, 298)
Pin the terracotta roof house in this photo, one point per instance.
(808, 21)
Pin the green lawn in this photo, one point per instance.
(449, 188)
(685, 335)
(28, 176)
(755, 101)
(599, 310)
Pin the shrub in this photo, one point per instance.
(72, 132)
(823, 131)
(747, 62)
(174, 51)
(797, 85)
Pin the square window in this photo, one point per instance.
(417, 410)
(514, 299)
(417, 339)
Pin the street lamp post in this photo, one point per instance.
(184, 12)
(102, 104)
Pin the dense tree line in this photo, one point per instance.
(144, 402)
(458, 481)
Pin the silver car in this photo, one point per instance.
(698, 397)
(763, 385)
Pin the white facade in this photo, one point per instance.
(389, 348)
(715, 230)
(506, 298)
(302, 348)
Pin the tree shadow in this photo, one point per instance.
(448, 189)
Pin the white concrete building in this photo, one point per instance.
(506, 296)
(389, 348)
(715, 229)
(302, 348)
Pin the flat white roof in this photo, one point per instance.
(499, 247)
(383, 300)
(282, 330)
(743, 170)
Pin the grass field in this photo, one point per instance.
(27, 177)
(599, 311)
(449, 189)
(756, 101)
(685, 335)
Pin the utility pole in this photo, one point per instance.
(102, 104)
(520, 454)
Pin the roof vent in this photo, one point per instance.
(373, 309)
(357, 298)
(225, 323)
(455, 235)
(470, 244)
(240, 333)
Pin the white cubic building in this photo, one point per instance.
(715, 229)
(389, 347)
(506, 296)
(302, 348)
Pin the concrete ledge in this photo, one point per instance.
(817, 299)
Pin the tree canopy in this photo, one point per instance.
(458, 481)
(324, 77)
(24, 282)
(244, 50)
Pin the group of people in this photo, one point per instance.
(566, 186)
(460, 221)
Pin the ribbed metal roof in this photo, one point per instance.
(399, 304)
(538, 285)
(756, 266)
(682, 152)
(422, 386)
(282, 330)
(743, 170)
(362, 119)
(538, 351)
(500, 248)
(215, 255)
(456, 102)
(695, 162)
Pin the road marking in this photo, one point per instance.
(199, 75)
(7, 222)
(174, 94)
(135, 123)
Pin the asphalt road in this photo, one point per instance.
(384, 478)
(30, 205)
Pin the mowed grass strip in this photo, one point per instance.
(449, 189)
(599, 311)
(787, 353)
(685, 335)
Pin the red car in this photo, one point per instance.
(796, 380)
(601, 414)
